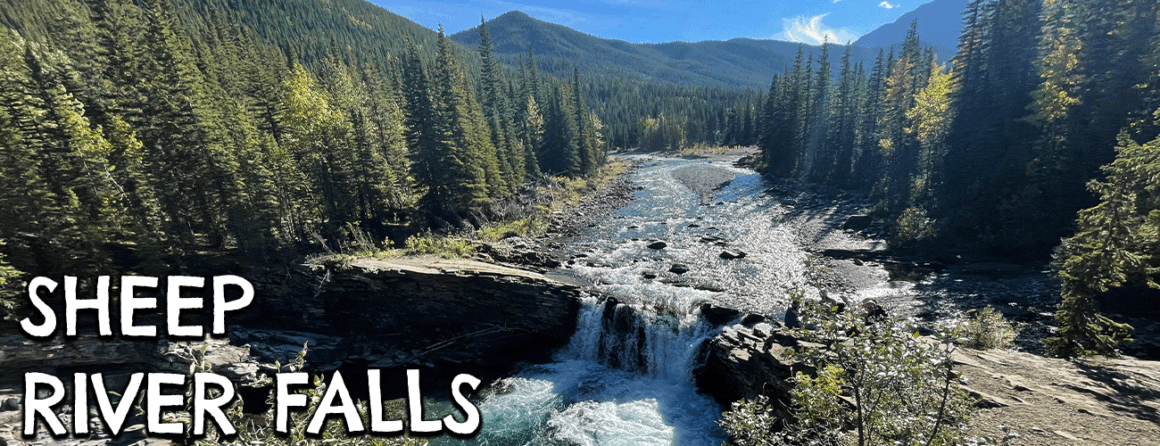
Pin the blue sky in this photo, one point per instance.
(655, 21)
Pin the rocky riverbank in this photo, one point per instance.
(547, 250)
(441, 316)
(1021, 398)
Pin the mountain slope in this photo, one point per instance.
(939, 24)
(746, 63)
(734, 63)
(355, 30)
(514, 33)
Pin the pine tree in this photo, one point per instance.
(421, 131)
(1115, 247)
(820, 156)
(30, 223)
(497, 111)
(842, 130)
(468, 171)
(588, 159)
(560, 153)
(533, 130)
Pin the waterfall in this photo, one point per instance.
(622, 336)
(625, 378)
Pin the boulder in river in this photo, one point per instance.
(718, 315)
(657, 245)
(730, 254)
(858, 222)
(711, 239)
(679, 268)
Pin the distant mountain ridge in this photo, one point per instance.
(939, 24)
(740, 62)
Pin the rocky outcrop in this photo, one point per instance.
(743, 362)
(517, 251)
(1049, 401)
(461, 315)
(1036, 400)
(20, 354)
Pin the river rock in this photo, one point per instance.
(718, 315)
(679, 268)
(711, 239)
(858, 222)
(657, 245)
(10, 404)
(730, 254)
(752, 319)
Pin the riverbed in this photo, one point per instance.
(698, 232)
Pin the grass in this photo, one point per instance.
(561, 192)
(702, 150)
(524, 227)
(448, 247)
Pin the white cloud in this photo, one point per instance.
(811, 30)
(887, 5)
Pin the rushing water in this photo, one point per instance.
(626, 376)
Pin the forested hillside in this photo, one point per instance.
(145, 130)
(991, 152)
(362, 34)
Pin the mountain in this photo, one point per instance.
(740, 62)
(939, 24)
(730, 64)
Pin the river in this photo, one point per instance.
(626, 378)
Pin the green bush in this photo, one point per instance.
(428, 244)
(987, 329)
(911, 227)
(523, 227)
(751, 422)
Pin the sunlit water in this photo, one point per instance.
(626, 376)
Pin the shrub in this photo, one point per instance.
(912, 226)
(877, 384)
(449, 247)
(528, 226)
(750, 422)
(987, 329)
